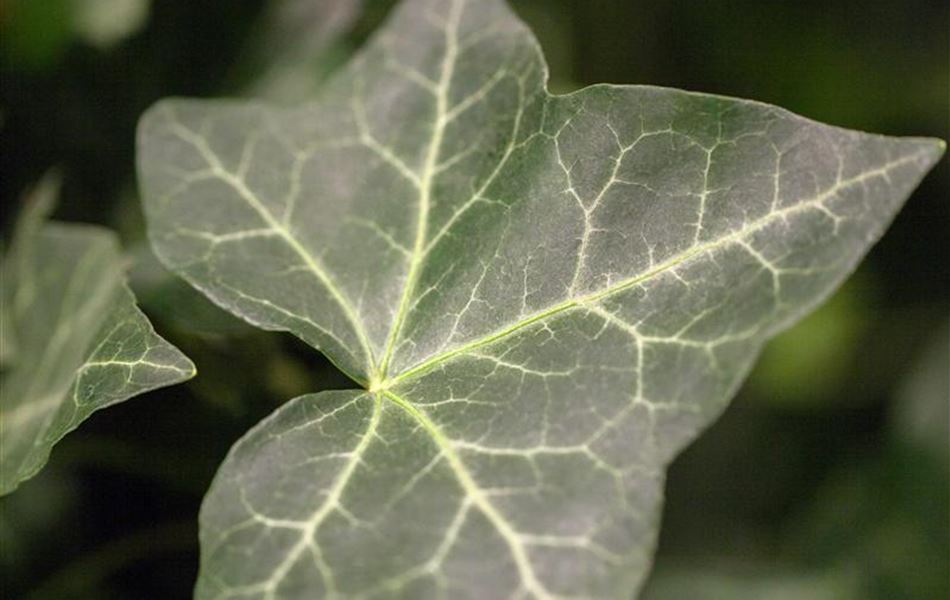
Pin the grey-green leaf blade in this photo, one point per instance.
(546, 297)
(82, 343)
(315, 225)
(312, 488)
(624, 174)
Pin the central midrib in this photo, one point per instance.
(425, 190)
(564, 306)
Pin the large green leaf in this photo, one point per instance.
(544, 297)
(80, 344)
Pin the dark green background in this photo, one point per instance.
(811, 483)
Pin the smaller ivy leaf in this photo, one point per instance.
(81, 344)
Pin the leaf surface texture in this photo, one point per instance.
(544, 297)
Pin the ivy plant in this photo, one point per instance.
(541, 299)
(73, 340)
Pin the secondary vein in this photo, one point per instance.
(311, 261)
(478, 498)
(426, 183)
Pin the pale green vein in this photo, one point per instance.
(478, 498)
(814, 203)
(332, 502)
(313, 264)
(429, 172)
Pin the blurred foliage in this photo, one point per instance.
(298, 44)
(36, 35)
(812, 362)
(39, 507)
(826, 478)
(875, 527)
(725, 583)
(104, 23)
(922, 416)
(884, 517)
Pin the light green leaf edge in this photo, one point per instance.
(81, 343)
(529, 366)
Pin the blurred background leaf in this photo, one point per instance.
(875, 527)
(104, 23)
(36, 35)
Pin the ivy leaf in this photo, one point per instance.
(80, 342)
(544, 298)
